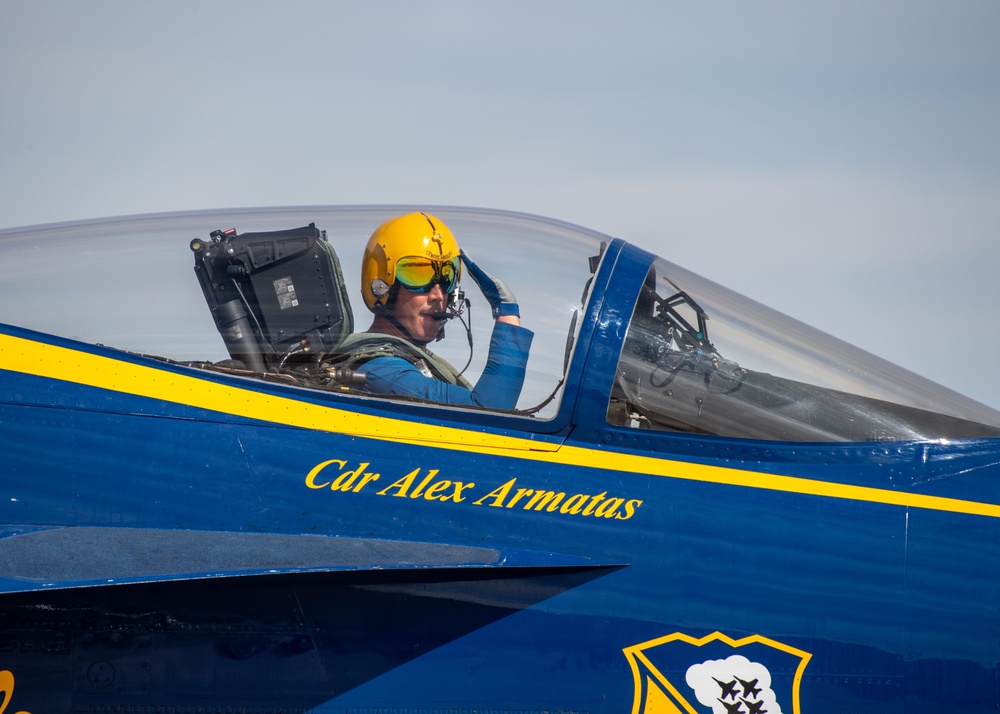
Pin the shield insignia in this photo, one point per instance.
(680, 674)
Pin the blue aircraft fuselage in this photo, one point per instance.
(181, 539)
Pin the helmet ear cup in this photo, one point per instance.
(379, 288)
(411, 235)
(375, 277)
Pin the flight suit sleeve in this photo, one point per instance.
(498, 387)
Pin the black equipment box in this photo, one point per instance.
(275, 296)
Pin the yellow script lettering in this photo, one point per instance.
(423, 484)
(521, 492)
(589, 510)
(434, 489)
(498, 494)
(630, 507)
(574, 504)
(311, 476)
(608, 508)
(345, 481)
(402, 485)
(457, 495)
(545, 499)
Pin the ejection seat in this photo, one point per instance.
(276, 297)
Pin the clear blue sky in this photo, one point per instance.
(837, 161)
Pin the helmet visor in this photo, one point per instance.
(420, 275)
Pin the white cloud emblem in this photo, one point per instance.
(734, 685)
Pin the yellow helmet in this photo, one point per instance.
(416, 250)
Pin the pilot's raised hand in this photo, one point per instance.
(501, 299)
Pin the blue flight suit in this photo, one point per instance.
(498, 387)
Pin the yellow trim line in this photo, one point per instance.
(39, 359)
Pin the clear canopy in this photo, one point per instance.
(130, 283)
(696, 358)
(700, 358)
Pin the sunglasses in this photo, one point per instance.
(420, 275)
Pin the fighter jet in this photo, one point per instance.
(209, 506)
(728, 689)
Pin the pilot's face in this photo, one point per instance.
(414, 312)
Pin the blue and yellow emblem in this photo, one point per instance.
(679, 674)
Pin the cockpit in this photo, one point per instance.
(270, 294)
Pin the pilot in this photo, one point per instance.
(411, 266)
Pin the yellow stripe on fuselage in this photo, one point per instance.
(28, 357)
(35, 358)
